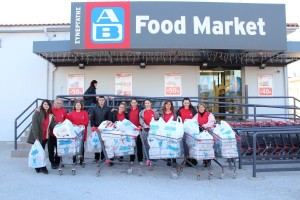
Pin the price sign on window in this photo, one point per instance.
(172, 84)
(265, 85)
(75, 84)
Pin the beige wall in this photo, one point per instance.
(146, 82)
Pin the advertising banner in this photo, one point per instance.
(173, 84)
(265, 85)
(123, 84)
(75, 84)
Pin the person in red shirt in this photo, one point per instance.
(118, 115)
(187, 111)
(147, 114)
(145, 117)
(133, 115)
(60, 115)
(166, 113)
(205, 120)
(78, 116)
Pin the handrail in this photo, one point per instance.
(113, 101)
(294, 116)
(17, 125)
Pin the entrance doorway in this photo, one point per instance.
(221, 85)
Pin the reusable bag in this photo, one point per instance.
(93, 143)
(37, 156)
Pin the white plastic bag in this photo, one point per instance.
(156, 125)
(224, 130)
(106, 125)
(127, 127)
(191, 126)
(65, 130)
(174, 129)
(93, 144)
(37, 156)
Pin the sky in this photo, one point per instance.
(59, 11)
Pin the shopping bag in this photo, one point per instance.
(191, 126)
(93, 144)
(173, 129)
(127, 127)
(37, 156)
(156, 125)
(224, 130)
(106, 125)
(65, 130)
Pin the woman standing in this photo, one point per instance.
(205, 120)
(133, 115)
(187, 111)
(147, 114)
(166, 113)
(43, 123)
(118, 115)
(78, 116)
(145, 118)
(91, 101)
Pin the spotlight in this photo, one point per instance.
(81, 66)
(204, 65)
(142, 65)
(262, 66)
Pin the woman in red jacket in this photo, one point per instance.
(187, 111)
(205, 120)
(168, 111)
(78, 116)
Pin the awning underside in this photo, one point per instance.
(64, 57)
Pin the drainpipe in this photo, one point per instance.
(49, 37)
(286, 88)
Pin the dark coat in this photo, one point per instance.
(113, 116)
(89, 100)
(36, 131)
(98, 115)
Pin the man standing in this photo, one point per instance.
(98, 114)
(60, 116)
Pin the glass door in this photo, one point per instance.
(221, 86)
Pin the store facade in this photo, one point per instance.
(206, 50)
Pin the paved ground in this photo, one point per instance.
(17, 181)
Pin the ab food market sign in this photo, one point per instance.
(181, 25)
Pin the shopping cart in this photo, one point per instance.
(199, 149)
(226, 148)
(116, 145)
(70, 149)
(158, 148)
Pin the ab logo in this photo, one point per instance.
(107, 25)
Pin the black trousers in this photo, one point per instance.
(97, 156)
(52, 150)
(139, 149)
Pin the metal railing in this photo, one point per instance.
(269, 152)
(287, 112)
(24, 117)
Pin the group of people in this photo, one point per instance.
(46, 117)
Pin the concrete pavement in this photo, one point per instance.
(18, 181)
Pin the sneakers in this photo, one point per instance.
(141, 163)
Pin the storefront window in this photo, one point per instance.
(221, 86)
